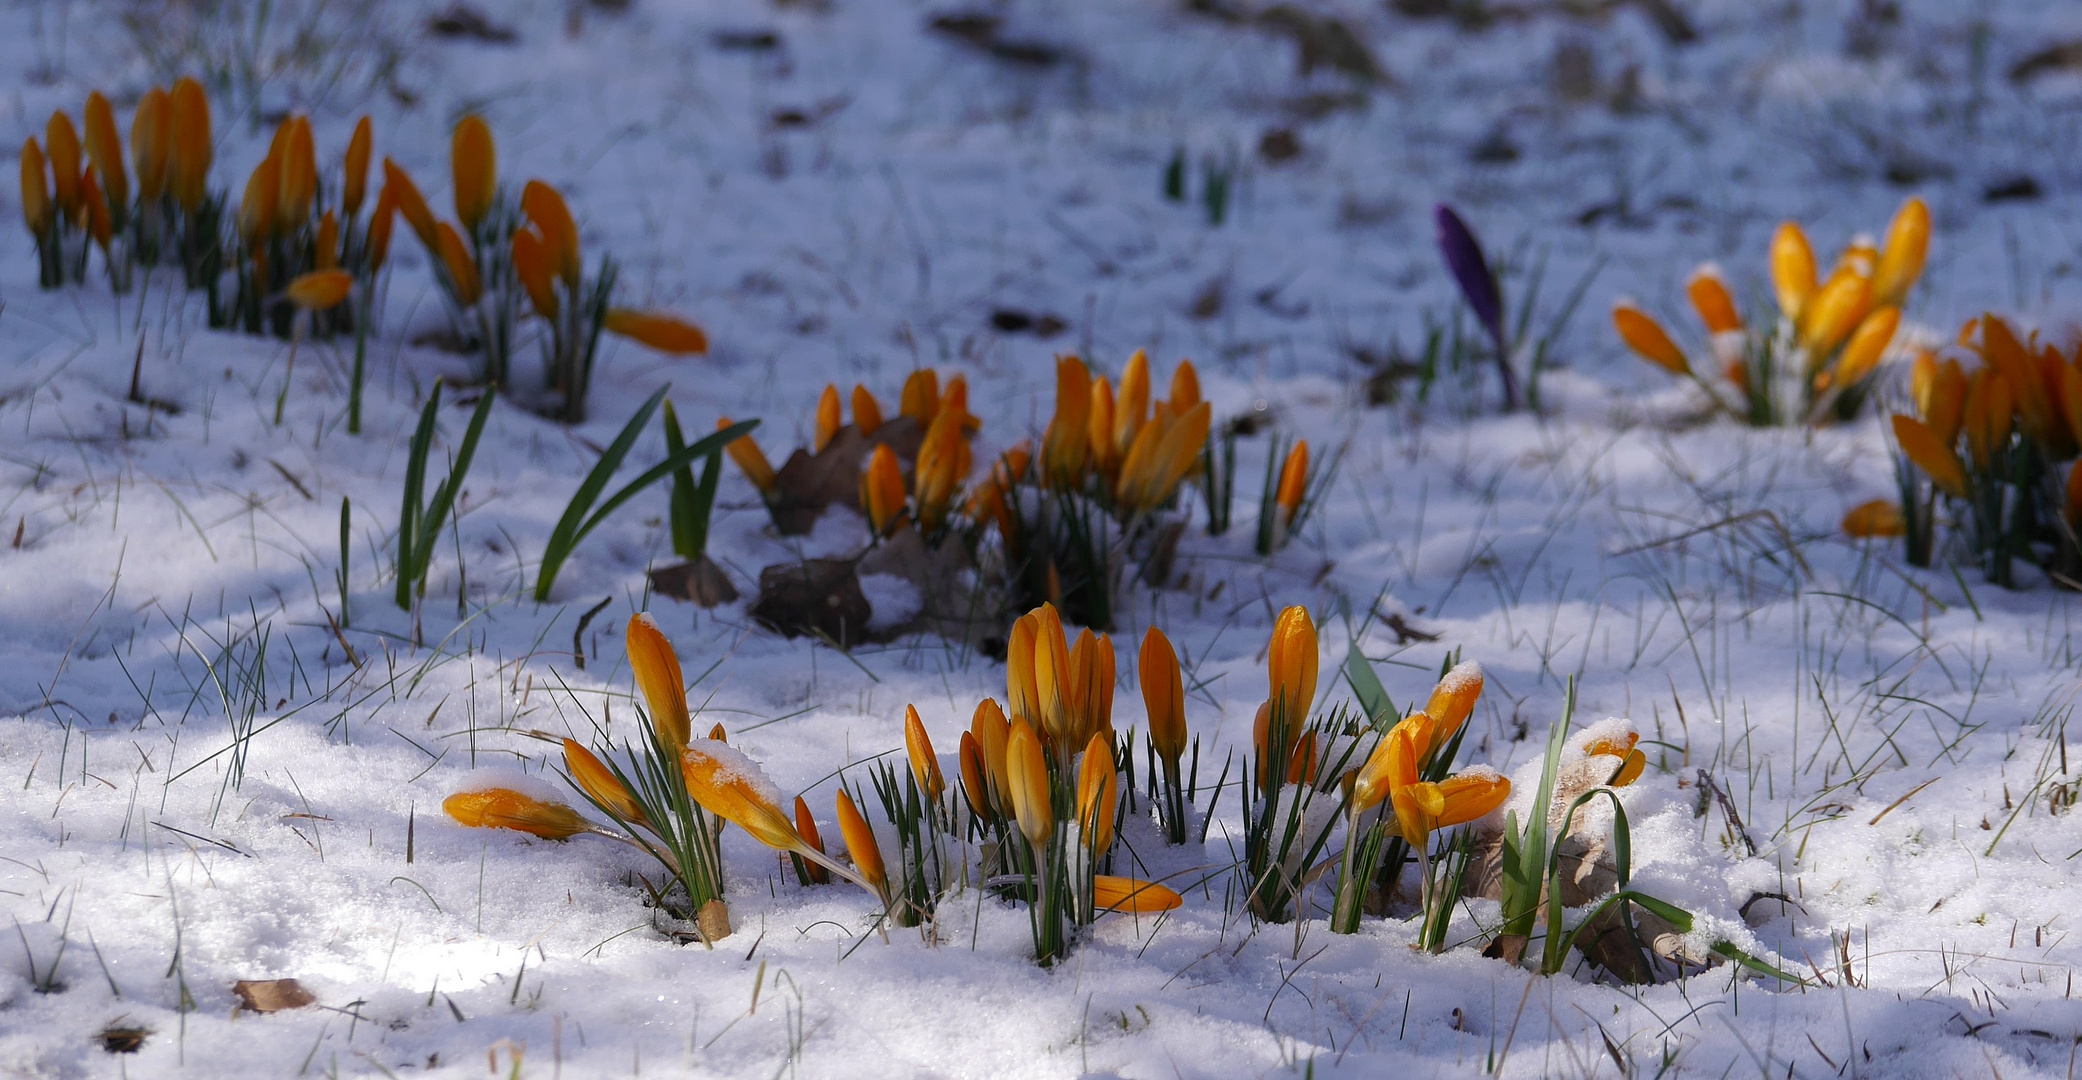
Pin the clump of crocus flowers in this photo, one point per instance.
(1067, 523)
(667, 795)
(939, 468)
(502, 260)
(1094, 505)
(1390, 780)
(77, 195)
(514, 257)
(1043, 782)
(1406, 792)
(1990, 435)
(292, 222)
(1124, 450)
(1034, 807)
(1042, 776)
(900, 472)
(1812, 359)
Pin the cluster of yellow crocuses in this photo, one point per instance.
(1404, 792)
(929, 437)
(1011, 771)
(1993, 439)
(1039, 777)
(1104, 454)
(2023, 388)
(293, 219)
(1812, 360)
(77, 192)
(940, 466)
(1394, 772)
(1128, 451)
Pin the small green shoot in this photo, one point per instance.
(420, 524)
(580, 517)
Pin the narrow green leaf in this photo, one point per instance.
(685, 543)
(710, 445)
(1267, 514)
(1557, 945)
(705, 503)
(580, 517)
(1366, 686)
(444, 496)
(1532, 850)
(415, 485)
(565, 535)
(1737, 956)
(1679, 919)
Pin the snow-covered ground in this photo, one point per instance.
(840, 195)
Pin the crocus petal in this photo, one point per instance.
(658, 676)
(1163, 695)
(1111, 893)
(320, 290)
(860, 842)
(504, 808)
(724, 788)
(658, 330)
(1470, 267)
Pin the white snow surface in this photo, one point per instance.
(894, 600)
(857, 200)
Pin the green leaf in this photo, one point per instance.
(1747, 960)
(415, 484)
(420, 525)
(444, 496)
(1679, 919)
(1522, 910)
(1366, 686)
(1557, 945)
(705, 502)
(1267, 514)
(565, 535)
(689, 535)
(710, 445)
(580, 517)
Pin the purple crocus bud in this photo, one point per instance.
(1470, 271)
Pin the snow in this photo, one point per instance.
(1461, 677)
(1888, 737)
(894, 600)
